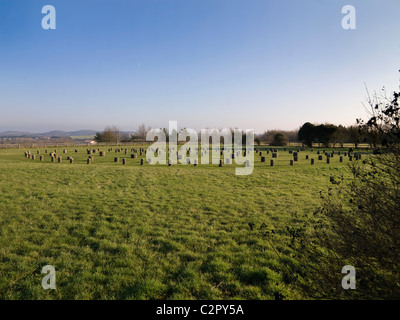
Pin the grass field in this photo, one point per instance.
(151, 232)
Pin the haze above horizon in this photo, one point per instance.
(253, 64)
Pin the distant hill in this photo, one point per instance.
(68, 134)
(87, 134)
(54, 133)
(14, 134)
(82, 133)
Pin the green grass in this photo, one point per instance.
(150, 232)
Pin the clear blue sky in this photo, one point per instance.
(253, 64)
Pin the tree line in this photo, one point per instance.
(114, 135)
(323, 134)
(327, 134)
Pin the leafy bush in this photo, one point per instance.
(358, 223)
(280, 140)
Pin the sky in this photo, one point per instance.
(250, 64)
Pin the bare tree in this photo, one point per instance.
(142, 131)
(110, 134)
